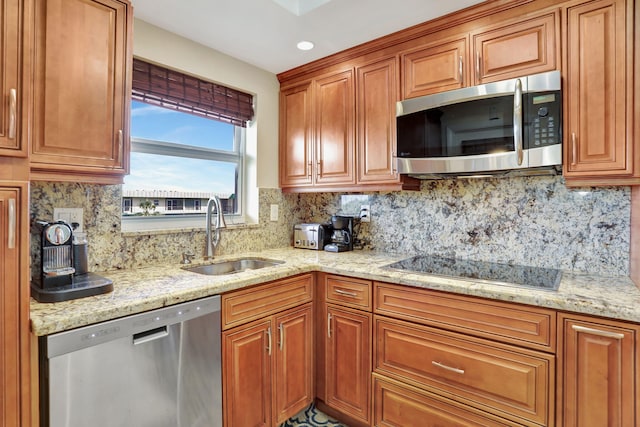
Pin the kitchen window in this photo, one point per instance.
(187, 144)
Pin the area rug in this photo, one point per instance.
(311, 417)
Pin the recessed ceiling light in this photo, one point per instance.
(305, 45)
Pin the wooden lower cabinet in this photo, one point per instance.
(348, 361)
(509, 382)
(400, 405)
(599, 372)
(268, 369)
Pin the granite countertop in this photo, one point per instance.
(153, 287)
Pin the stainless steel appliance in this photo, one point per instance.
(160, 368)
(495, 273)
(310, 236)
(511, 127)
(341, 239)
(59, 267)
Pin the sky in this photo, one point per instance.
(155, 172)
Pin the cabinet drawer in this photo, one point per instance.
(399, 405)
(250, 304)
(349, 292)
(510, 382)
(511, 323)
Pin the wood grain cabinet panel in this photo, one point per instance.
(348, 291)
(247, 375)
(334, 129)
(348, 361)
(505, 380)
(599, 372)
(12, 137)
(436, 68)
(599, 92)
(253, 303)
(522, 48)
(82, 66)
(377, 94)
(14, 305)
(526, 326)
(296, 144)
(268, 369)
(400, 405)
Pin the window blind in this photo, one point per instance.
(161, 86)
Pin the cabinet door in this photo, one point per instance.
(599, 374)
(518, 49)
(82, 89)
(246, 352)
(14, 309)
(377, 94)
(293, 375)
(334, 129)
(435, 68)
(348, 361)
(597, 139)
(296, 153)
(10, 81)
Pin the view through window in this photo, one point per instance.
(178, 161)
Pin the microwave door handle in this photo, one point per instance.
(517, 121)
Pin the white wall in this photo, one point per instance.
(162, 47)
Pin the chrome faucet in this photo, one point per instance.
(213, 236)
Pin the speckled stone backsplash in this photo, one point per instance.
(534, 221)
(110, 249)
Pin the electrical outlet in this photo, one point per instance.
(70, 215)
(365, 213)
(274, 213)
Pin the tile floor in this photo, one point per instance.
(311, 417)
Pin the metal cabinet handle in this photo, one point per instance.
(478, 67)
(281, 330)
(319, 172)
(517, 121)
(310, 170)
(448, 368)
(329, 325)
(460, 71)
(346, 293)
(268, 331)
(614, 335)
(574, 149)
(13, 100)
(11, 235)
(120, 143)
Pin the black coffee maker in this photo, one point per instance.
(341, 239)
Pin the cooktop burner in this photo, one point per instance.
(505, 274)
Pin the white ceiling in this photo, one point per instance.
(265, 32)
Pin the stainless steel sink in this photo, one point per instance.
(233, 266)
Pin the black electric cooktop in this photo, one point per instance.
(503, 274)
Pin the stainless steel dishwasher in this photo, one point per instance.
(161, 368)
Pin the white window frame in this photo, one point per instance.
(187, 221)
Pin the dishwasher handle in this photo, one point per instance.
(150, 335)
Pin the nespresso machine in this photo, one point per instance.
(59, 266)
(341, 239)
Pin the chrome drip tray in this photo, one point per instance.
(500, 274)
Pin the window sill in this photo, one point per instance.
(135, 226)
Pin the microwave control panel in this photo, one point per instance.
(544, 118)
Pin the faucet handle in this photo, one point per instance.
(187, 257)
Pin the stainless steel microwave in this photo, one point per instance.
(512, 127)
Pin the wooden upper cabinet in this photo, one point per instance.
(516, 49)
(599, 93)
(334, 129)
(82, 62)
(600, 379)
(11, 135)
(377, 94)
(296, 149)
(435, 68)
